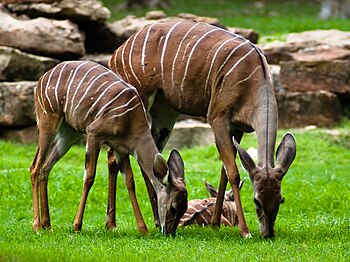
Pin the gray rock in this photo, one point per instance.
(300, 109)
(16, 65)
(190, 133)
(79, 11)
(17, 104)
(41, 36)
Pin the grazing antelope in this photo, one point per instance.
(81, 97)
(199, 211)
(202, 70)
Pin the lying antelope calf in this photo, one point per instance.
(200, 211)
(81, 97)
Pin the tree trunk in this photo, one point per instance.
(335, 9)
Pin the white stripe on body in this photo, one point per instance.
(87, 90)
(228, 58)
(247, 78)
(57, 84)
(78, 86)
(70, 84)
(143, 54)
(191, 53)
(48, 87)
(164, 49)
(213, 60)
(177, 53)
(130, 53)
(99, 98)
(125, 112)
(234, 66)
(109, 102)
(123, 60)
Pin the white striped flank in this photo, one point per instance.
(178, 50)
(213, 61)
(143, 54)
(124, 105)
(235, 65)
(87, 90)
(125, 112)
(248, 77)
(191, 53)
(102, 109)
(130, 60)
(40, 99)
(229, 57)
(48, 88)
(97, 101)
(164, 49)
(70, 84)
(123, 60)
(78, 86)
(58, 82)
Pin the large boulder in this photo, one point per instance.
(17, 104)
(299, 76)
(300, 109)
(16, 65)
(79, 11)
(41, 36)
(310, 46)
(190, 133)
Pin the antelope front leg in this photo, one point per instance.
(113, 170)
(225, 147)
(130, 185)
(91, 155)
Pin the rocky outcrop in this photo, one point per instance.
(78, 11)
(300, 109)
(41, 36)
(190, 133)
(328, 75)
(16, 65)
(16, 104)
(313, 83)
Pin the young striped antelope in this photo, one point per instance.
(200, 211)
(202, 70)
(81, 97)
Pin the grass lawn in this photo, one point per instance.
(313, 224)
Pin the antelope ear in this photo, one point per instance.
(212, 191)
(286, 152)
(160, 169)
(246, 160)
(176, 166)
(241, 183)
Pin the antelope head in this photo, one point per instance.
(266, 182)
(172, 199)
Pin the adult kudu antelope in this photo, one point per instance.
(201, 70)
(81, 97)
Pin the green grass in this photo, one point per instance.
(273, 20)
(312, 225)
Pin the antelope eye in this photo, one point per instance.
(172, 210)
(257, 203)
